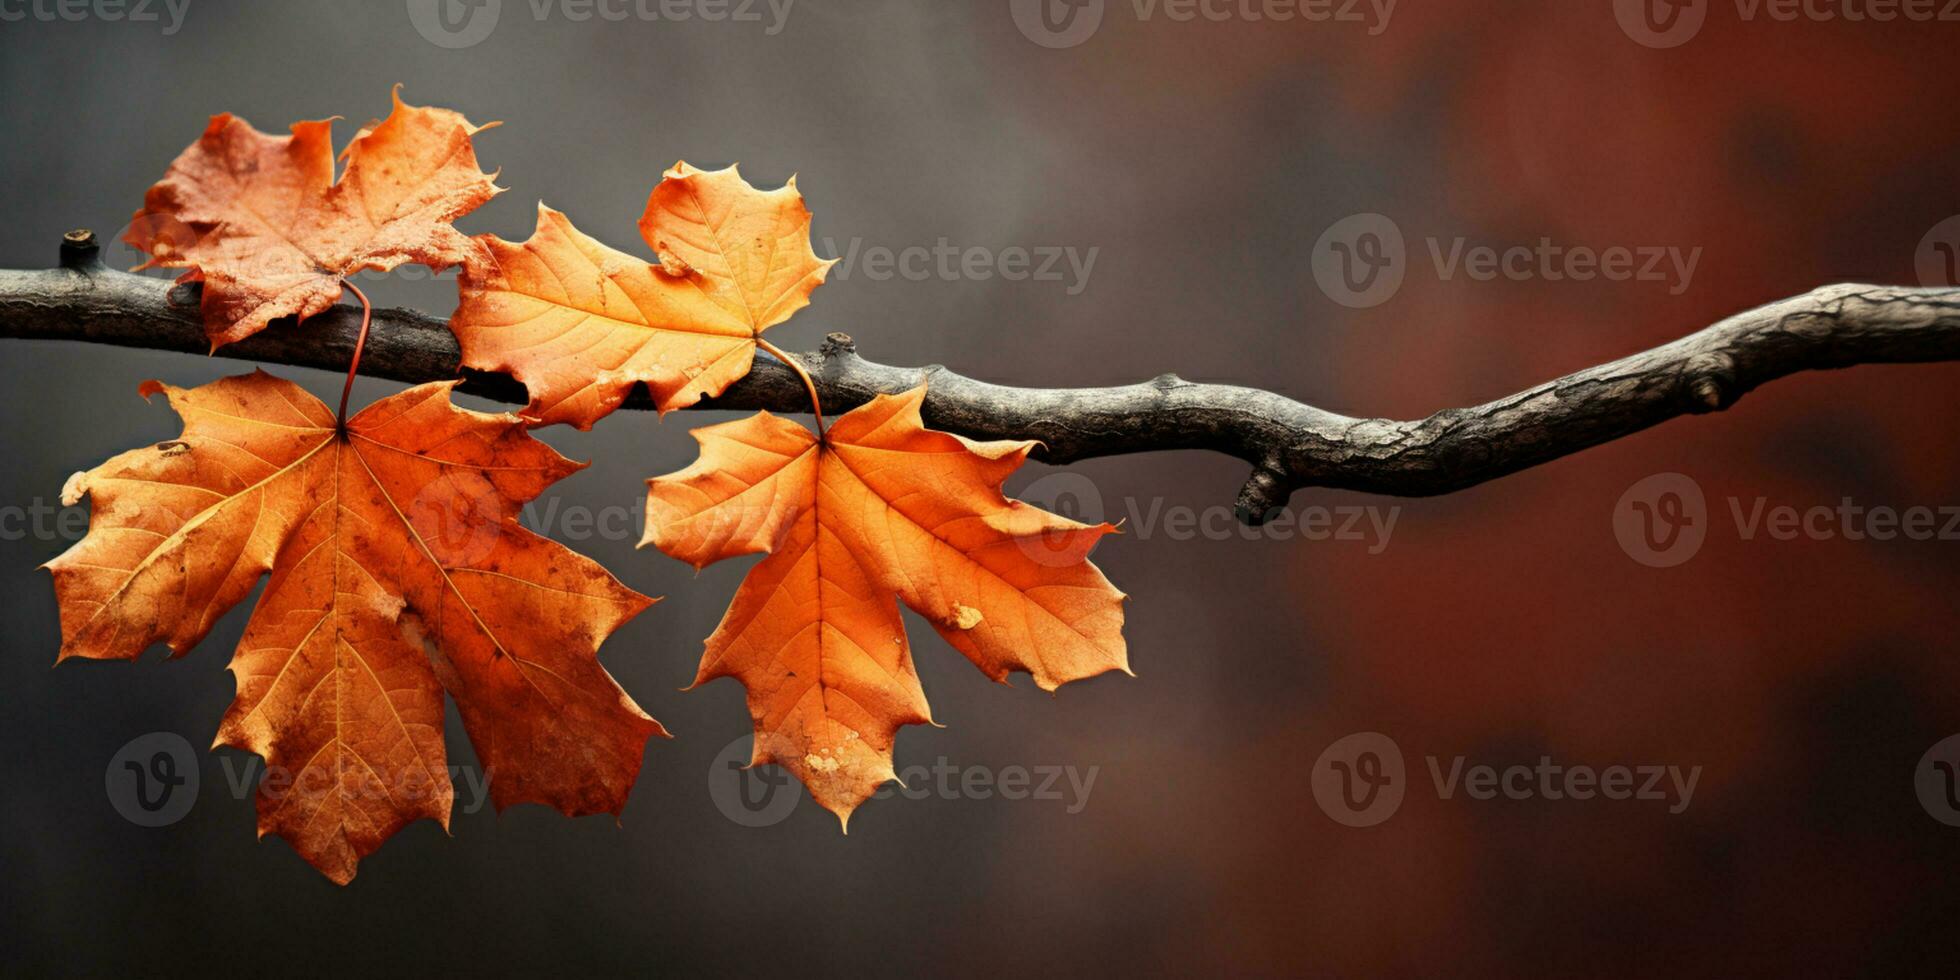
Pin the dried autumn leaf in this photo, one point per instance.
(398, 571)
(579, 323)
(260, 220)
(881, 508)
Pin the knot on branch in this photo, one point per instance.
(80, 251)
(1710, 382)
(1264, 493)
(836, 343)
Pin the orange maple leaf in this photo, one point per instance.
(880, 507)
(260, 220)
(398, 571)
(580, 323)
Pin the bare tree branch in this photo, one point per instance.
(1290, 445)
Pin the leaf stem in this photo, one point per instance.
(816, 406)
(360, 341)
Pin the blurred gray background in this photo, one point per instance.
(1201, 162)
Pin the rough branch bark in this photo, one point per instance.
(1290, 445)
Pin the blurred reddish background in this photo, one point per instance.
(1806, 678)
